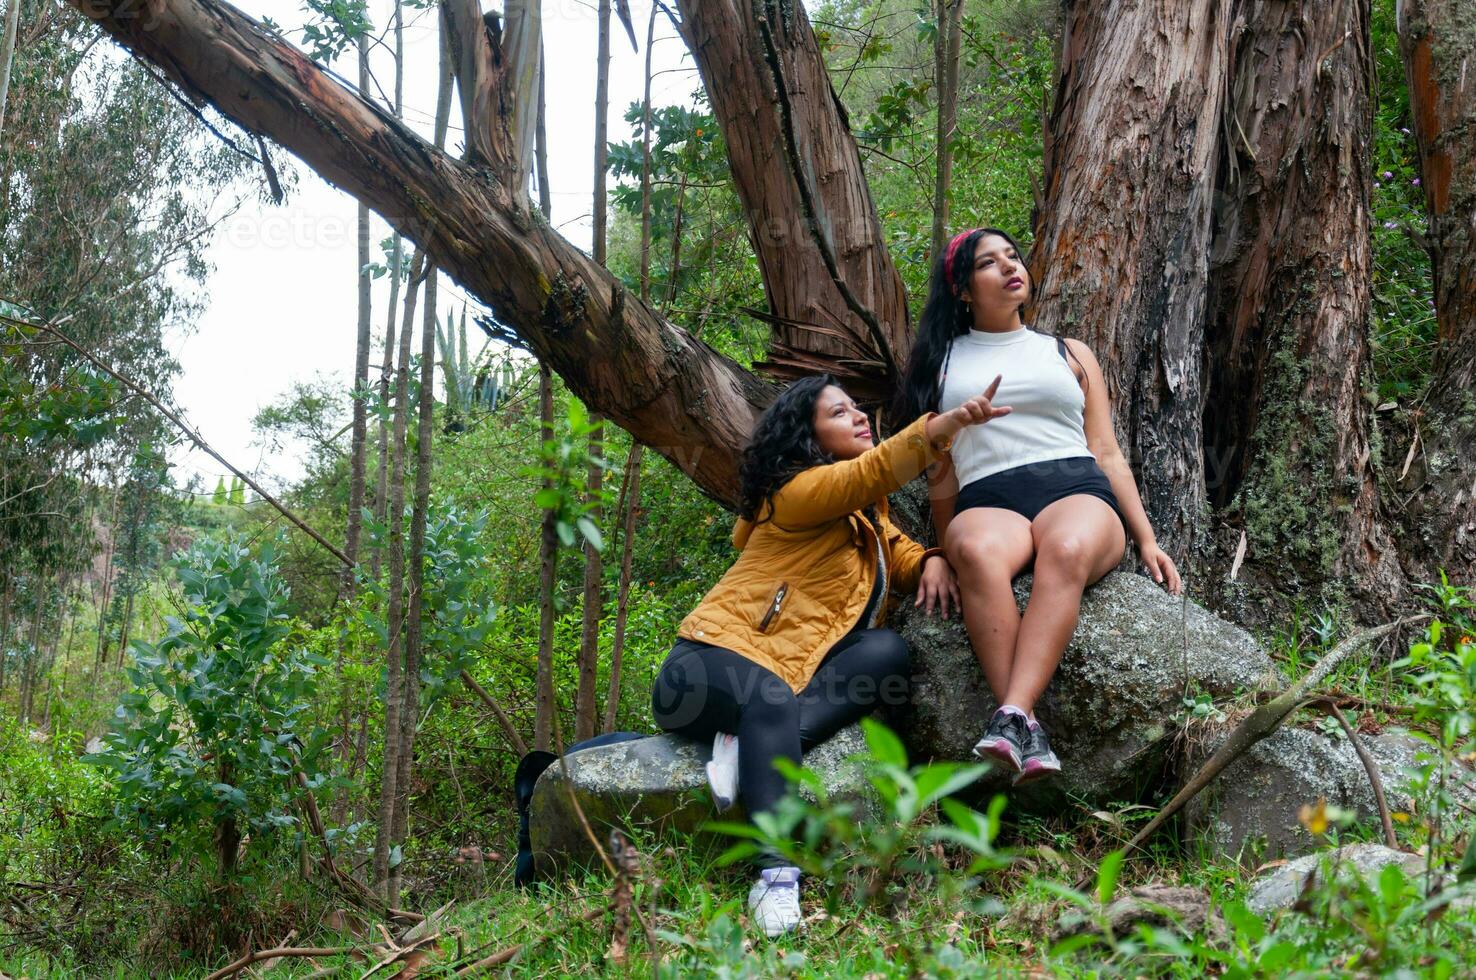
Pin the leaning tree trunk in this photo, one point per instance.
(1122, 241)
(1438, 41)
(1287, 426)
(837, 301)
(678, 396)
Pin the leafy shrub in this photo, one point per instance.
(209, 735)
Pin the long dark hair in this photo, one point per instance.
(944, 317)
(783, 445)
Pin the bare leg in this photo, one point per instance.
(1078, 539)
(988, 547)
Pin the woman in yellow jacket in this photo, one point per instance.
(786, 649)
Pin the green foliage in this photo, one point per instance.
(561, 471)
(836, 840)
(334, 26)
(211, 733)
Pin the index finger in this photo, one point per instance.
(993, 386)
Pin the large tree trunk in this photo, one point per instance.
(680, 397)
(1286, 420)
(1122, 243)
(814, 229)
(1438, 41)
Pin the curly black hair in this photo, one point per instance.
(782, 446)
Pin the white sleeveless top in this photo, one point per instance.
(1037, 383)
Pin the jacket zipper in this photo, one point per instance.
(774, 607)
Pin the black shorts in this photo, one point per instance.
(1027, 490)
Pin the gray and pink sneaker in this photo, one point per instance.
(1004, 740)
(1037, 759)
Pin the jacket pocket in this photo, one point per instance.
(772, 612)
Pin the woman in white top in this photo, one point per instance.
(1045, 486)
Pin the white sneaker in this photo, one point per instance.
(722, 771)
(774, 901)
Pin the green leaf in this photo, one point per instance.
(591, 533)
(885, 746)
(1107, 876)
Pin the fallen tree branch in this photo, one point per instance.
(1260, 723)
(281, 951)
(506, 954)
(508, 728)
(1369, 766)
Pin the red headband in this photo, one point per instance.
(948, 253)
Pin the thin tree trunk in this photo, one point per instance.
(359, 441)
(123, 628)
(396, 257)
(394, 683)
(586, 711)
(358, 458)
(7, 54)
(1286, 422)
(5, 598)
(548, 556)
(1122, 239)
(420, 508)
(33, 666)
(946, 45)
(1437, 39)
(622, 596)
(548, 542)
(107, 583)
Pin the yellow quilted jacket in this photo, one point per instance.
(804, 575)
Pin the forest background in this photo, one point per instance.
(392, 671)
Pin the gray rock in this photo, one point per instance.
(655, 784)
(1278, 889)
(1184, 910)
(1110, 708)
(1250, 811)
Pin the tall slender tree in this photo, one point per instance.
(420, 508)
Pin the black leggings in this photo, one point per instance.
(703, 689)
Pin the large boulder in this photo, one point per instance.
(1250, 812)
(1112, 706)
(652, 785)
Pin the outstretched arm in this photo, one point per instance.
(824, 493)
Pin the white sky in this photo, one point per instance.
(283, 296)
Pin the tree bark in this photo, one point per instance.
(946, 44)
(1122, 240)
(1437, 39)
(683, 399)
(798, 174)
(1286, 421)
